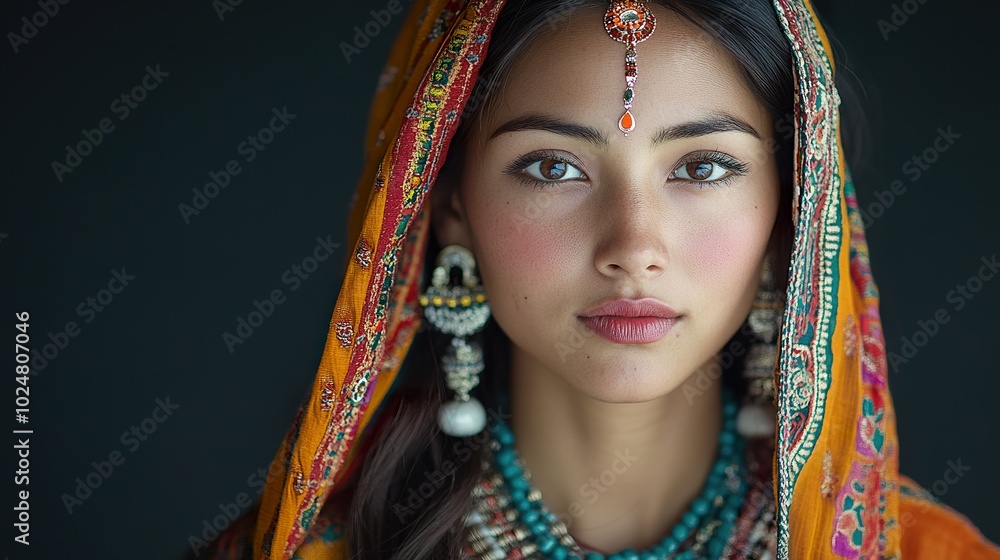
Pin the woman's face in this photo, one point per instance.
(563, 212)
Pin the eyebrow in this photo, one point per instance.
(702, 127)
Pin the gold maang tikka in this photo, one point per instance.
(629, 22)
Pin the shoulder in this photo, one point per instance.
(931, 530)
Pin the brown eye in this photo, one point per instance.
(552, 170)
(699, 170)
(703, 171)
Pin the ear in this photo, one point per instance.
(448, 218)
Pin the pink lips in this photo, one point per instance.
(631, 321)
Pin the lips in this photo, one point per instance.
(631, 321)
(645, 307)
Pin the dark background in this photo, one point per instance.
(161, 337)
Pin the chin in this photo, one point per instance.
(622, 385)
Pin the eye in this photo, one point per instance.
(552, 169)
(709, 168)
(706, 171)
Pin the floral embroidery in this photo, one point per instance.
(807, 350)
(857, 526)
(363, 254)
(829, 478)
(326, 398)
(850, 337)
(860, 524)
(345, 332)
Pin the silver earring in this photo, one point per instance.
(461, 311)
(758, 414)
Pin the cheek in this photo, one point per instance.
(520, 247)
(726, 250)
(722, 250)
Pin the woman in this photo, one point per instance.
(644, 285)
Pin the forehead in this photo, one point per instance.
(573, 69)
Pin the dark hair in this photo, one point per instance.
(414, 486)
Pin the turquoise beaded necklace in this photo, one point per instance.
(703, 531)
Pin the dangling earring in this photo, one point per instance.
(460, 311)
(758, 414)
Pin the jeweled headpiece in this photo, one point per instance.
(629, 22)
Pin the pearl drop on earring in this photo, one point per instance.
(756, 420)
(462, 418)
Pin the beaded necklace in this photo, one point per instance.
(510, 520)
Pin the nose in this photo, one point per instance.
(632, 241)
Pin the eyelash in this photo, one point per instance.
(517, 167)
(736, 167)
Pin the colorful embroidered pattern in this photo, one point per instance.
(808, 326)
(421, 141)
(861, 518)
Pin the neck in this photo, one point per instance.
(618, 475)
